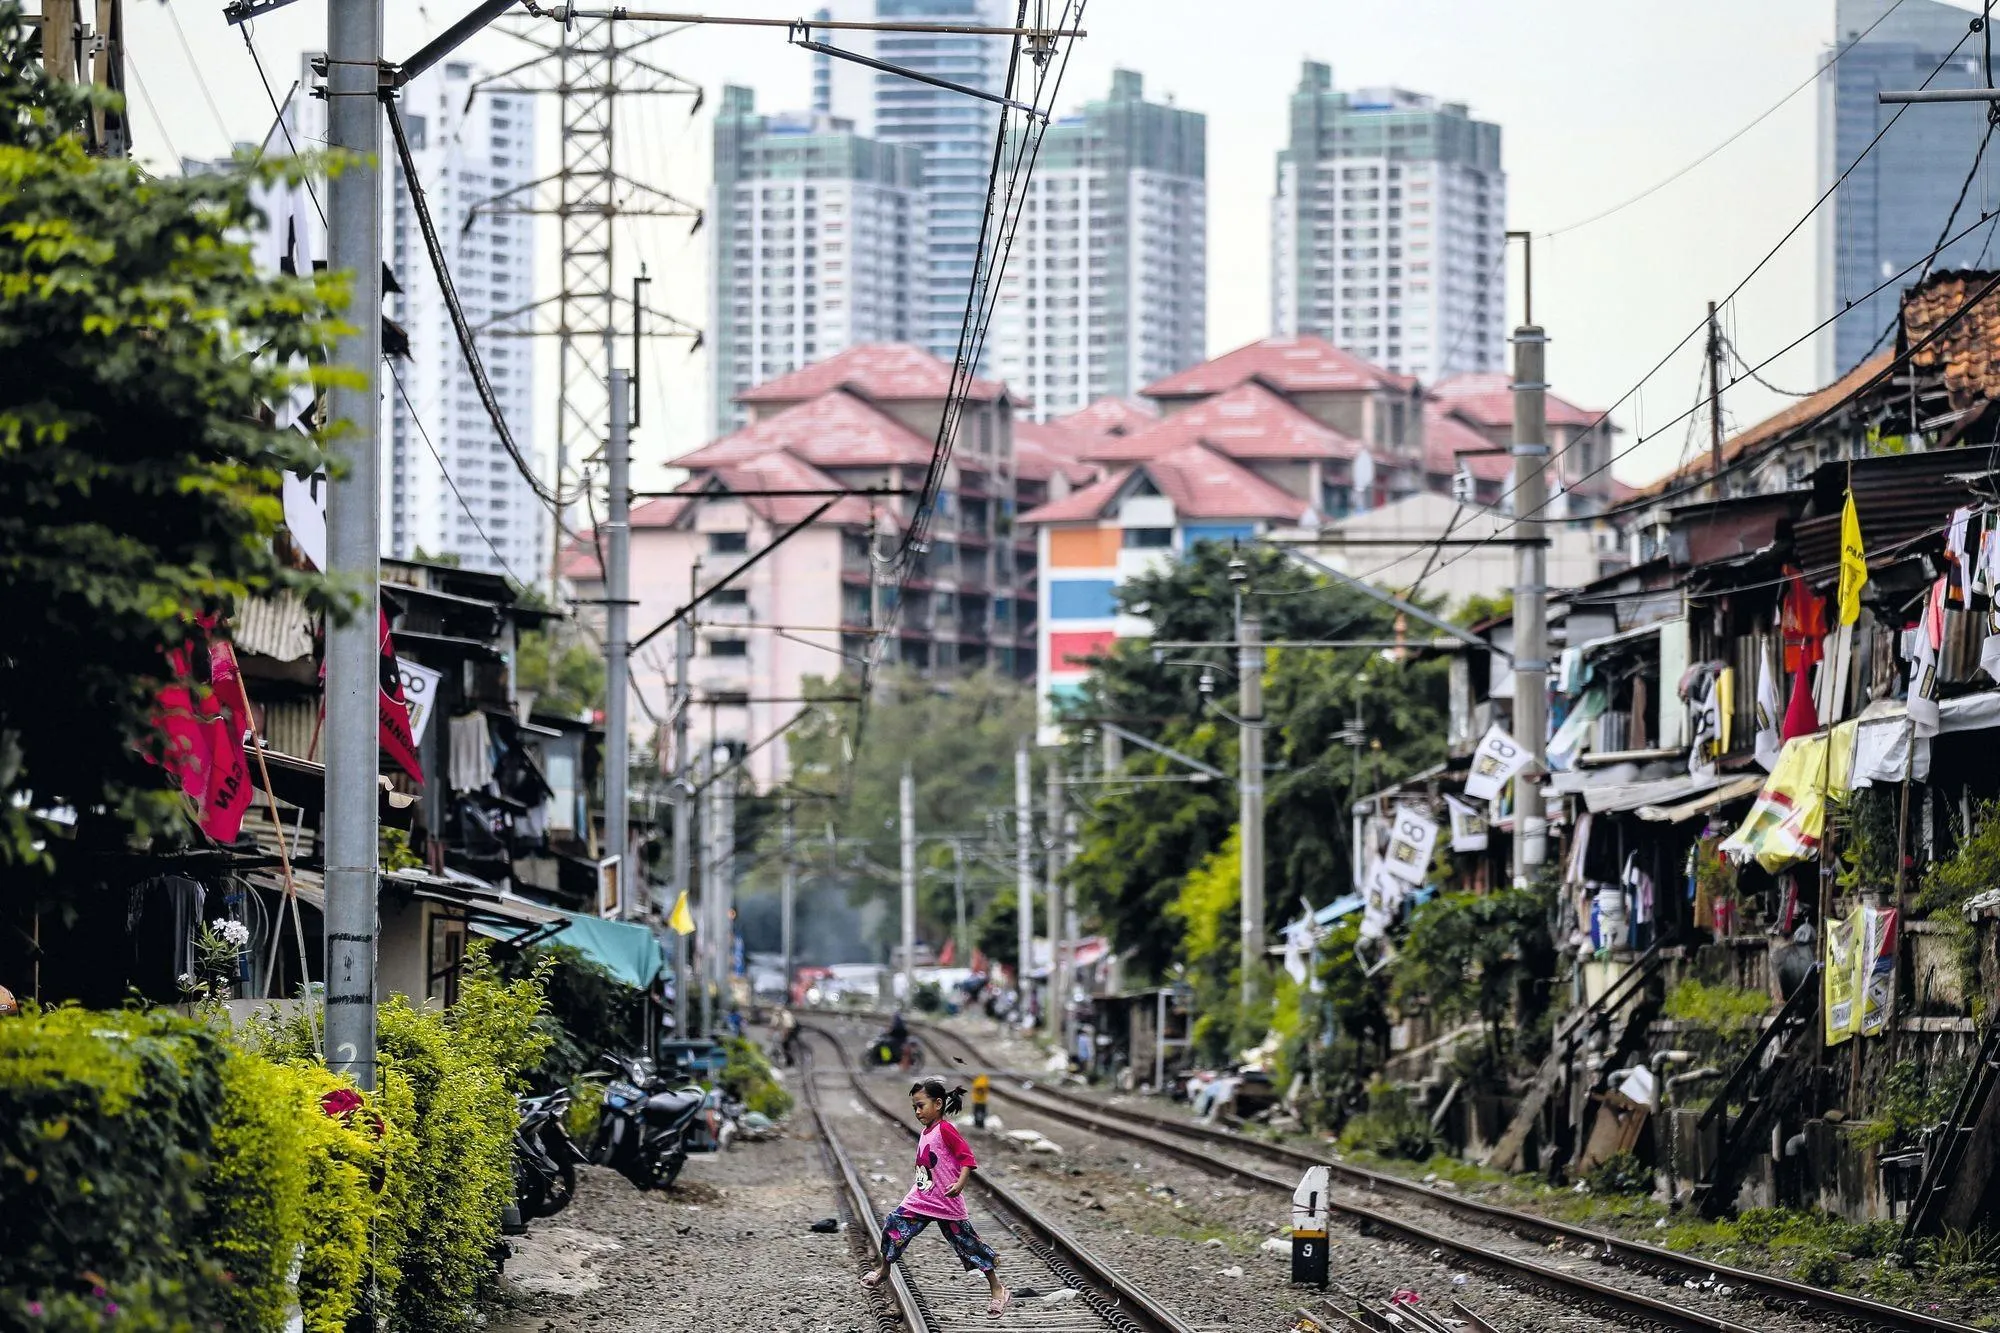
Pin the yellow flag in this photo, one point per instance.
(682, 920)
(1853, 563)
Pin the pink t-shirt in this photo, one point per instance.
(943, 1156)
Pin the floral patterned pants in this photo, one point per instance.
(900, 1228)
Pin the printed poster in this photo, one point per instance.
(1412, 836)
(1498, 758)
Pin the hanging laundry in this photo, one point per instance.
(1922, 646)
(471, 753)
(1801, 717)
(1957, 559)
(1802, 618)
(1770, 713)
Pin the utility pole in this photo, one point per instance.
(1531, 608)
(683, 815)
(908, 794)
(353, 647)
(788, 895)
(958, 900)
(1052, 1018)
(617, 664)
(1720, 491)
(1024, 876)
(1250, 792)
(725, 883)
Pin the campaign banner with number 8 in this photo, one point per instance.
(1498, 758)
(1412, 835)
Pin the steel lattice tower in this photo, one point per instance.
(589, 72)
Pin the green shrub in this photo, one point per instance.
(107, 1129)
(586, 1105)
(746, 1076)
(256, 1189)
(1620, 1173)
(1391, 1127)
(1722, 1008)
(588, 1011)
(459, 1070)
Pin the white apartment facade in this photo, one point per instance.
(817, 243)
(1388, 229)
(1106, 287)
(449, 488)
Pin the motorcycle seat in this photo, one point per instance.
(671, 1105)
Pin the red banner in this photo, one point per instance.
(397, 741)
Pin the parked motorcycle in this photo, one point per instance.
(545, 1158)
(644, 1131)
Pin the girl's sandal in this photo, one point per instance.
(871, 1279)
(998, 1305)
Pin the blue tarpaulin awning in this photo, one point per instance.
(630, 953)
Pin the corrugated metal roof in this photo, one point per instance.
(275, 625)
(1899, 498)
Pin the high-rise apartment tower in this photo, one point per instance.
(1388, 229)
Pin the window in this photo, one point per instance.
(1148, 539)
(729, 647)
(730, 597)
(728, 543)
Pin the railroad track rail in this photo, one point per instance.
(1195, 1143)
(923, 1286)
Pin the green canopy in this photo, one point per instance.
(631, 954)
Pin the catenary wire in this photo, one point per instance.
(1651, 190)
(1643, 436)
(201, 80)
(133, 65)
(1900, 359)
(403, 391)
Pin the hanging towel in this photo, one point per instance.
(471, 753)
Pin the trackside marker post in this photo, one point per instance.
(1309, 1213)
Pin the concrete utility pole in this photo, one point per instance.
(908, 794)
(683, 816)
(1250, 792)
(958, 900)
(725, 882)
(1717, 489)
(1024, 875)
(1052, 1017)
(788, 896)
(617, 658)
(1531, 607)
(353, 667)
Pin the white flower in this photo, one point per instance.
(234, 933)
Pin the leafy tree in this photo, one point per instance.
(1140, 843)
(1488, 956)
(139, 478)
(567, 678)
(959, 736)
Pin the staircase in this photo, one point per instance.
(1762, 1087)
(1946, 1149)
(1606, 1013)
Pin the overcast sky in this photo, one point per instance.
(1597, 102)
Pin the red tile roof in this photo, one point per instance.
(579, 561)
(886, 372)
(1247, 421)
(1200, 483)
(1042, 449)
(1289, 365)
(1109, 416)
(1484, 399)
(835, 429)
(1447, 439)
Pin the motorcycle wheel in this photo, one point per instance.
(665, 1169)
(551, 1197)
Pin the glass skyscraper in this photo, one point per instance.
(954, 131)
(1895, 206)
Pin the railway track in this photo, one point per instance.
(1196, 1144)
(928, 1292)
